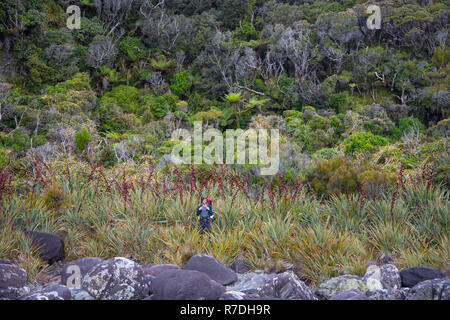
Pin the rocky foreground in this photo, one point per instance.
(205, 278)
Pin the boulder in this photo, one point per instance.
(390, 277)
(12, 281)
(372, 278)
(436, 289)
(412, 276)
(79, 268)
(338, 284)
(116, 279)
(287, 286)
(233, 295)
(252, 283)
(156, 270)
(353, 294)
(180, 284)
(51, 292)
(237, 295)
(80, 294)
(384, 277)
(50, 247)
(213, 268)
(384, 294)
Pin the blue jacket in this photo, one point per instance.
(211, 213)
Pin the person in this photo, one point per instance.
(205, 214)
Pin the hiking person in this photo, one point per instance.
(205, 214)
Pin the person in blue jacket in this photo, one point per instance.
(205, 214)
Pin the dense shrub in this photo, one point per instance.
(19, 140)
(134, 48)
(181, 83)
(82, 138)
(405, 125)
(442, 172)
(334, 176)
(124, 96)
(363, 142)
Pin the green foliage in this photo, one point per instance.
(123, 96)
(82, 138)
(233, 97)
(363, 142)
(162, 63)
(134, 48)
(39, 140)
(39, 72)
(79, 82)
(441, 57)
(325, 154)
(405, 125)
(181, 83)
(334, 176)
(408, 13)
(89, 29)
(340, 101)
(246, 31)
(159, 106)
(19, 141)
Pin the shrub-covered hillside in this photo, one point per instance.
(87, 114)
(137, 69)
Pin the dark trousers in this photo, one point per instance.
(204, 224)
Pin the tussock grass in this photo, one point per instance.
(149, 216)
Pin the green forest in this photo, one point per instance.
(87, 115)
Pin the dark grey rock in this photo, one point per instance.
(412, 276)
(236, 295)
(338, 284)
(233, 295)
(390, 277)
(116, 279)
(287, 286)
(252, 282)
(156, 270)
(84, 265)
(50, 246)
(179, 284)
(436, 289)
(213, 268)
(372, 278)
(12, 281)
(80, 294)
(51, 292)
(352, 294)
(383, 294)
